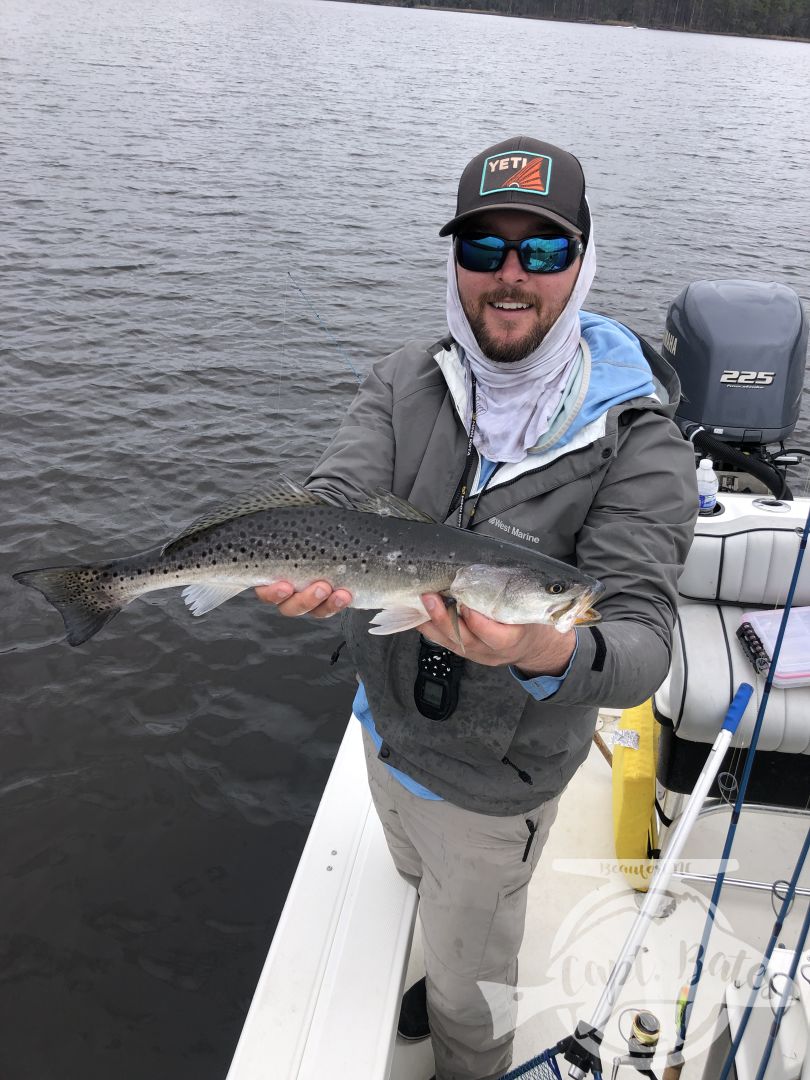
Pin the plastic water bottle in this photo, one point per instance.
(707, 483)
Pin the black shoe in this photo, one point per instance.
(413, 1018)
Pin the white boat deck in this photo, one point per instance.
(328, 997)
(581, 908)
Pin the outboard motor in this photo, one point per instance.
(739, 348)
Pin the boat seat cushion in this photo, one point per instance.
(708, 664)
(751, 563)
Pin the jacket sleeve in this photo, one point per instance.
(635, 539)
(360, 457)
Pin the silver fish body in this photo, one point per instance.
(386, 553)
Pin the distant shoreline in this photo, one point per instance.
(587, 22)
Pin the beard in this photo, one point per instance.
(512, 350)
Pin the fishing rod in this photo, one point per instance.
(787, 901)
(581, 1050)
(584, 1062)
(783, 1000)
(676, 1060)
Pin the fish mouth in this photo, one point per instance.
(587, 617)
(583, 614)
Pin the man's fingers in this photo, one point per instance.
(275, 593)
(317, 599)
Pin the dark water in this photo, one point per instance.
(165, 167)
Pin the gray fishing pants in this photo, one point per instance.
(472, 871)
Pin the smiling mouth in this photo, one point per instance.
(502, 305)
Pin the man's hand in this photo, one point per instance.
(318, 599)
(534, 649)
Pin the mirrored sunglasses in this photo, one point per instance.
(537, 254)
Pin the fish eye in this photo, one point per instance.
(555, 588)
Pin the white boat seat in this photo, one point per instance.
(747, 559)
(708, 664)
(741, 559)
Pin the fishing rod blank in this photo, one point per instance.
(781, 915)
(783, 1000)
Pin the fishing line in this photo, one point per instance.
(324, 327)
(676, 1060)
(781, 915)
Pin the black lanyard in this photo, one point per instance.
(468, 461)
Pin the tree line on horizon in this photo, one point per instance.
(750, 18)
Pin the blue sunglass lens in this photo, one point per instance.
(544, 254)
(481, 252)
(538, 254)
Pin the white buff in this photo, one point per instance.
(517, 401)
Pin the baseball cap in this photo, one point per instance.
(524, 174)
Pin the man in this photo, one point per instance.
(539, 423)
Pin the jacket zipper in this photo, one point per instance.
(509, 483)
(540, 468)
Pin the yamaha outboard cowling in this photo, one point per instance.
(739, 348)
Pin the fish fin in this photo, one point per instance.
(384, 504)
(282, 492)
(452, 611)
(205, 597)
(83, 610)
(394, 620)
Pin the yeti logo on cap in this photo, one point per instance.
(516, 170)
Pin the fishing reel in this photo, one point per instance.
(581, 1050)
(642, 1043)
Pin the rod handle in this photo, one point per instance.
(735, 713)
(674, 1066)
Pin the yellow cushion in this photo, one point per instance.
(634, 826)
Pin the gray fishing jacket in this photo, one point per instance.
(619, 502)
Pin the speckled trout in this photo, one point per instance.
(385, 552)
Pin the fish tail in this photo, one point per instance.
(83, 607)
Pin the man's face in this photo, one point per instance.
(508, 334)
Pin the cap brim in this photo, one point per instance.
(546, 215)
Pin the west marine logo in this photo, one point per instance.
(516, 171)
